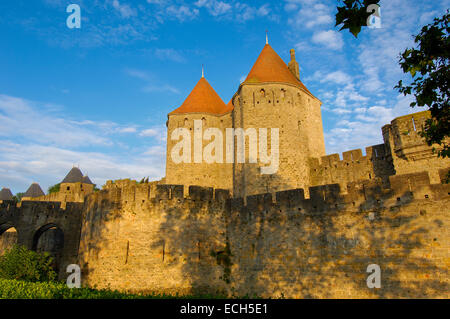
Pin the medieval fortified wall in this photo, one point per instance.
(308, 231)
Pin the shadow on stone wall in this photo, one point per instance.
(99, 210)
(320, 248)
(281, 246)
(193, 237)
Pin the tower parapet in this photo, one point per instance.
(408, 149)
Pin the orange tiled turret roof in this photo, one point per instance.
(230, 106)
(202, 99)
(269, 67)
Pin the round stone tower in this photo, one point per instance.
(273, 97)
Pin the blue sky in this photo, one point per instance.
(98, 96)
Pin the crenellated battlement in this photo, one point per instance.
(369, 193)
(407, 149)
(373, 153)
(405, 130)
(148, 196)
(352, 167)
(356, 196)
(128, 191)
(40, 209)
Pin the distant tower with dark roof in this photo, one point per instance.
(33, 192)
(75, 186)
(74, 176)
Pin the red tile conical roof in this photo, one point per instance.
(230, 106)
(269, 67)
(202, 99)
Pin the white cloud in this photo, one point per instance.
(215, 7)
(148, 132)
(157, 132)
(302, 46)
(338, 77)
(22, 163)
(182, 13)
(379, 51)
(38, 145)
(169, 54)
(124, 9)
(160, 88)
(310, 16)
(137, 74)
(245, 12)
(365, 129)
(127, 130)
(152, 84)
(19, 119)
(330, 39)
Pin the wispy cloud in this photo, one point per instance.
(181, 13)
(152, 83)
(330, 39)
(18, 118)
(245, 12)
(365, 128)
(125, 10)
(160, 88)
(310, 16)
(169, 54)
(214, 7)
(40, 145)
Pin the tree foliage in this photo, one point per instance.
(17, 289)
(54, 189)
(21, 263)
(428, 65)
(18, 197)
(353, 14)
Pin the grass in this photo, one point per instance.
(17, 289)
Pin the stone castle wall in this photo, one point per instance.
(38, 224)
(141, 238)
(68, 192)
(144, 238)
(353, 167)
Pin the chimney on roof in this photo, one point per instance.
(293, 65)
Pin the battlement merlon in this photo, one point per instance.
(374, 152)
(367, 193)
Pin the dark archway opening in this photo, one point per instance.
(50, 239)
(8, 237)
